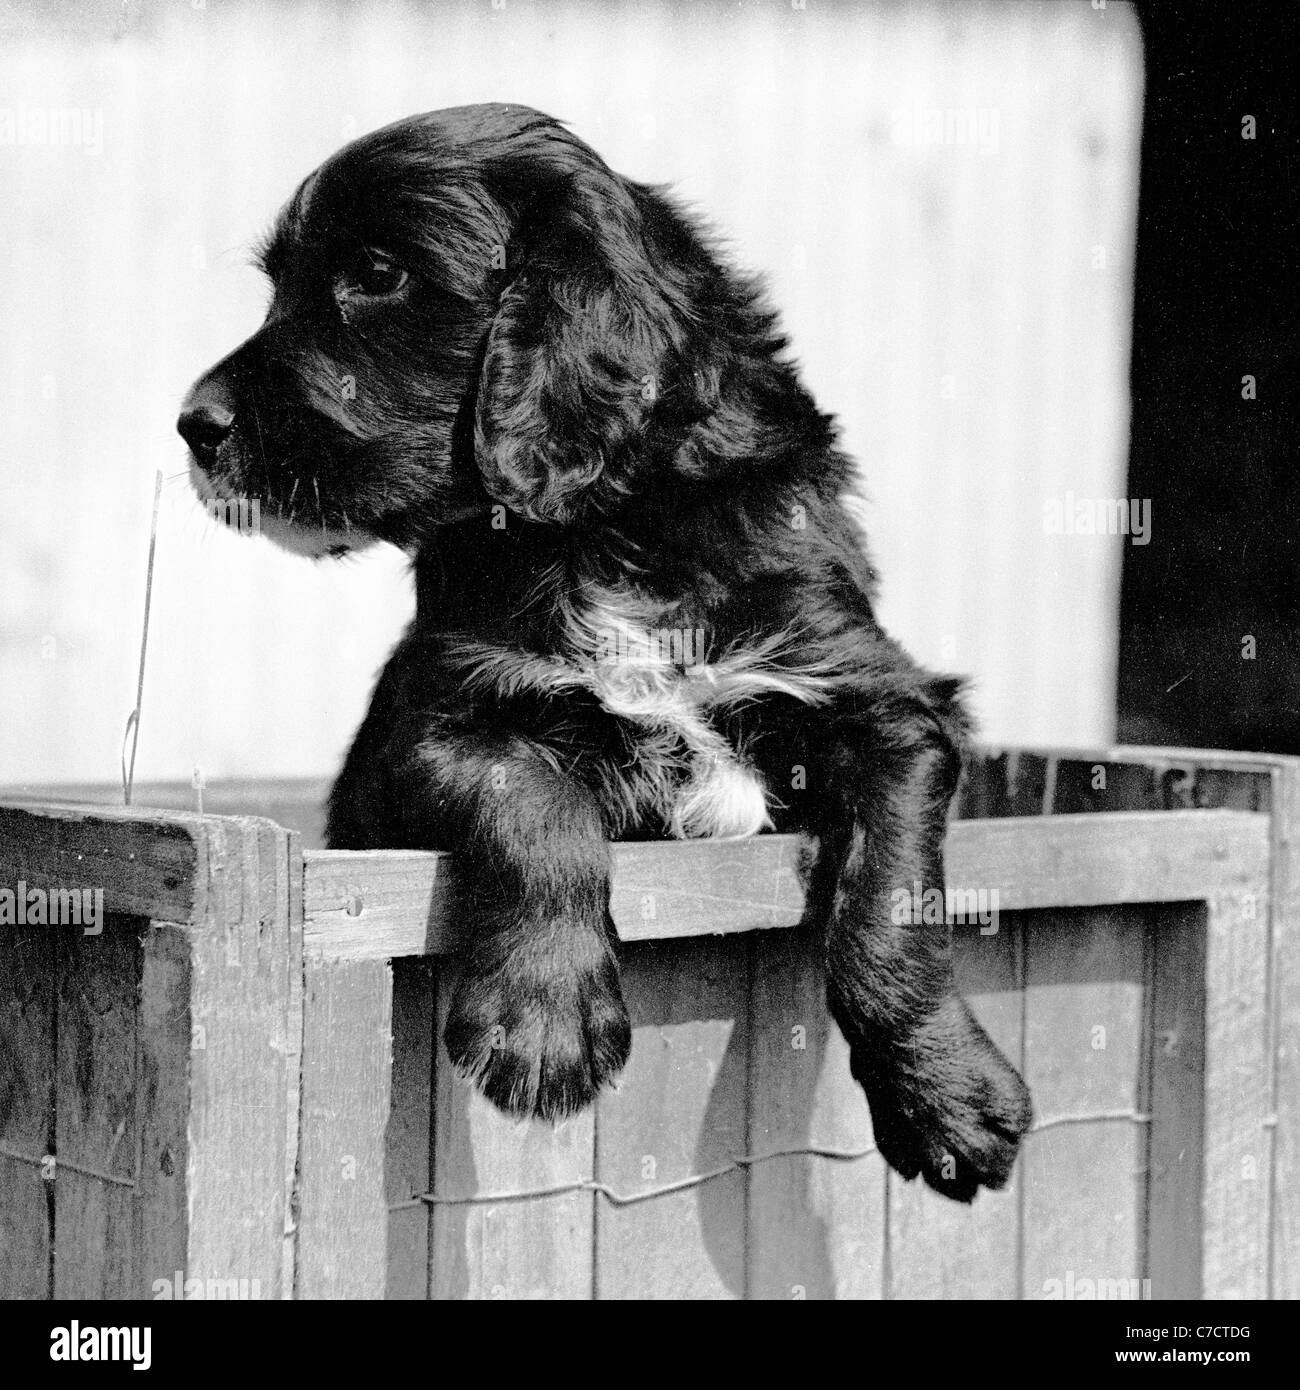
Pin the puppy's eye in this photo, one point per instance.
(374, 274)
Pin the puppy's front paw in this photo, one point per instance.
(950, 1107)
(540, 1028)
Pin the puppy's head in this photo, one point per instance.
(468, 307)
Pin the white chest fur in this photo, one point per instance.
(658, 680)
(691, 774)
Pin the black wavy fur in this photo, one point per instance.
(543, 381)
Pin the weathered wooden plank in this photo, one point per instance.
(1083, 1180)
(1176, 1100)
(535, 1248)
(816, 1225)
(95, 1122)
(346, 1064)
(1096, 860)
(147, 862)
(164, 1031)
(295, 1025)
(705, 887)
(679, 1112)
(1285, 1012)
(408, 1151)
(385, 904)
(27, 1011)
(243, 1035)
(379, 904)
(398, 903)
(1238, 1084)
(939, 1248)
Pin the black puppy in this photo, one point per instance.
(642, 607)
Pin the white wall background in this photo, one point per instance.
(964, 307)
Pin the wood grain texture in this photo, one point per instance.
(701, 887)
(27, 1044)
(1285, 1010)
(378, 905)
(346, 1065)
(295, 1026)
(149, 863)
(164, 1033)
(680, 1110)
(1175, 1100)
(243, 1037)
(816, 1225)
(1093, 860)
(1238, 1085)
(540, 1248)
(384, 904)
(942, 1249)
(408, 1145)
(95, 1123)
(1083, 1183)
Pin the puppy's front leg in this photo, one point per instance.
(537, 1018)
(944, 1101)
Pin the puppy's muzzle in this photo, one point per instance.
(207, 417)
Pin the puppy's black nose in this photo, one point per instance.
(206, 419)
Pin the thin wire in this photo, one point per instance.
(132, 731)
(617, 1199)
(629, 1199)
(746, 1161)
(55, 1163)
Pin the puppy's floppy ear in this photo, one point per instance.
(583, 337)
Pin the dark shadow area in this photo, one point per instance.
(1208, 627)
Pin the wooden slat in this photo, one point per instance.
(1176, 1100)
(164, 1034)
(705, 887)
(540, 1248)
(378, 905)
(295, 1026)
(243, 1037)
(1094, 860)
(346, 1064)
(27, 1010)
(1083, 1182)
(147, 862)
(679, 1111)
(96, 1111)
(407, 1147)
(1238, 1082)
(939, 1248)
(816, 1225)
(1285, 1009)
(384, 904)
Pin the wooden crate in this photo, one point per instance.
(237, 1089)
